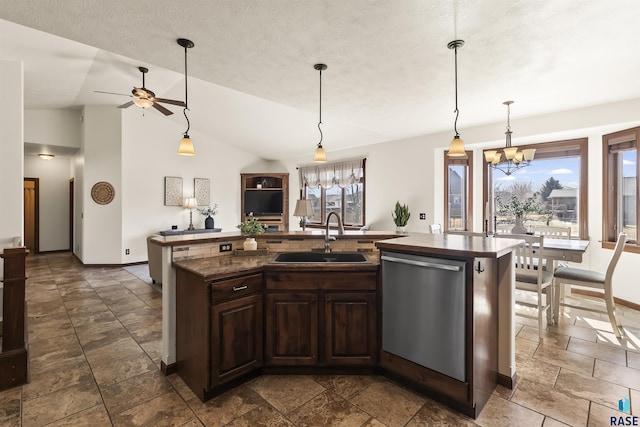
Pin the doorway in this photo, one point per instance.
(32, 214)
(71, 214)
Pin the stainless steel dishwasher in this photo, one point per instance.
(423, 311)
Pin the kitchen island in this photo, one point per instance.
(489, 278)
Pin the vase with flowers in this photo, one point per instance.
(519, 209)
(209, 212)
(251, 226)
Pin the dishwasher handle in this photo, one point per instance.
(424, 264)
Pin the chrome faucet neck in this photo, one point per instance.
(327, 245)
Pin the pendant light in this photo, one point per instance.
(515, 159)
(320, 156)
(186, 146)
(456, 149)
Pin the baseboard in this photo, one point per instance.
(617, 300)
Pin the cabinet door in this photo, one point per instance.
(292, 329)
(351, 332)
(236, 341)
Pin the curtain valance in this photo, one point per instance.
(327, 175)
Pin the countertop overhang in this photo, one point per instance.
(451, 245)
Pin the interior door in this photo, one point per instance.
(31, 215)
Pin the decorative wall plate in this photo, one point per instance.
(102, 193)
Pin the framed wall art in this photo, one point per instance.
(201, 191)
(172, 191)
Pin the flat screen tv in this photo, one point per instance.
(263, 202)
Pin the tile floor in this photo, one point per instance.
(94, 336)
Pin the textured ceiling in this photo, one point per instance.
(390, 74)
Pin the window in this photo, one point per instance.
(458, 192)
(555, 183)
(335, 187)
(620, 182)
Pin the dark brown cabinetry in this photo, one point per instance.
(219, 330)
(266, 195)
(321, 318)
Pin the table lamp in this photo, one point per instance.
(303, 210)
(190, 203)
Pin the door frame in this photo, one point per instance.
(36, 216)
(71, 213)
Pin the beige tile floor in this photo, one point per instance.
(94, 336)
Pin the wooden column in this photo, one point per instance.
(14, 356)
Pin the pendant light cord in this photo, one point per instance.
(455, 123)
(320, 113)
(186, 93)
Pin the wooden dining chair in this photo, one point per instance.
(552, 232)
(530, 278)
(592, 279)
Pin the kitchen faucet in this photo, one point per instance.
(327, 238)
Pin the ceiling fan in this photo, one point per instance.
(144, 98)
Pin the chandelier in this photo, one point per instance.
(515, 159)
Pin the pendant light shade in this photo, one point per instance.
(320, 156)
(186, 146)
(456, 148)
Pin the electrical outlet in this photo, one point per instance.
(423, 215)
(225, 247)
(126, 251)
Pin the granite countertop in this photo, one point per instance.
(228, 265)
(451, 245)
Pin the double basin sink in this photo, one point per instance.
(319, 257)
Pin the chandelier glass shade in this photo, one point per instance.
(514, 159)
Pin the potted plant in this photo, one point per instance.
(401, 217)
(251, 226)
(519, 209)
(209, 212)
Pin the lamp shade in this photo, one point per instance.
(186, 147)
(489, 155)
(303, 208)
(320, 156)
(190, 203)
(456, 149)
(529, 153)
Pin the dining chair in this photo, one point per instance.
(552, 232)
(465, 233)
(530, 278)
(591, 279)
(435, 229)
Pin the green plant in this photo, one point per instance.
(401, 215)
(519, 208)
(251, 226)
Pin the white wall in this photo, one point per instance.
(53, 178)
(11, 154)
(53, 127)
(149, 153)
(102, 224)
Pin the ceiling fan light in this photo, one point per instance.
(319, 156)
(490, 155)
(456, 148)
(143, 102)
(186, 146)
(529, 153)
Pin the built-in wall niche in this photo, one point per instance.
(266, 195)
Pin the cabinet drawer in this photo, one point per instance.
(235, 288)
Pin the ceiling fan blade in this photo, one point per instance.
(113, 93)
(169, 101)
(126, 104)
(162, 109)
